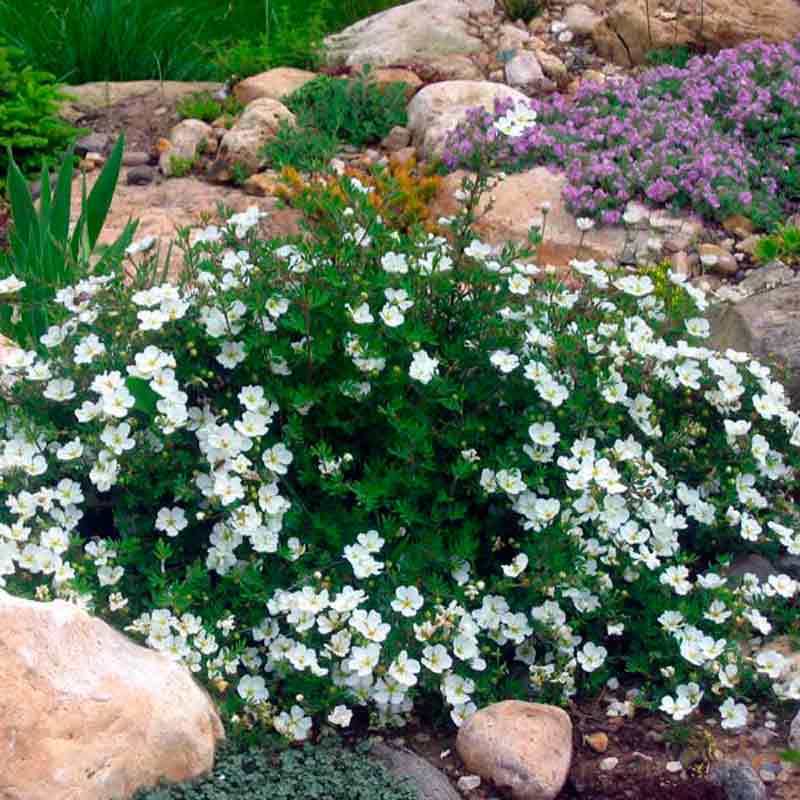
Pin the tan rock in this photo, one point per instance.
(438, 108)
(383, 76)
(718, 259)
(626, 35)
(403, 158)
(274, 84)
(258, 124)
(581, 19)
(87, 714)
(397, 138)
(263, 184)
(457, 67)
(524, 71)
(518, 200)
(526, 747)
(739, 225)
(553, 67)
(186, 140)
(597, 741)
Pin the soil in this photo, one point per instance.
(143, 119)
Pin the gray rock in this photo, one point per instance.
(766, 325)
(759, 566)
(397, 138)
(580, 19)
(429, 782)
(789, 565)
(93, 143)
(135, 158)
(141, 175)
(794, 733)
(770, 276)
(738, 780)
(524, 71)
(411, 33)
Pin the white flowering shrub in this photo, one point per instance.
(360, 468)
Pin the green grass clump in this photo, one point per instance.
(326, 771)
(357, 111)
(305, 149)
(782, 245)
(202, 106)
(524, 10)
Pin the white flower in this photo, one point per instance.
(361, 315)
(516, 567)
(140, 245)
(396, 263)
(504, 361)
(392, 316)
(771, 663)
(407, 600)
(436, 659)
(734, 715)
(252, 689)
(171, 521)
(11, 285)
(591, 657)
(340, 716)
(584, 224)
(423, 368)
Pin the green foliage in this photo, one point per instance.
(202, 106)
(356, 111)
(524, 10)
(304, 149)
(29, 125)
(44, 254)
(180, 167)
(783, 245)
(327, 771)
(239, 173)
(677, 56)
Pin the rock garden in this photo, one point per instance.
(400, 400)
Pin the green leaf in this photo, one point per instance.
(145, 397)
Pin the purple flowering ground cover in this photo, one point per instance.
(720, 136)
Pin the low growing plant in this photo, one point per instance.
(203, 106)
(524, 10)
(356, 111)
(180, 167)
(720, 136)
(366, 468)
(304, 149)
(327, 771)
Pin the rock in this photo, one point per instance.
(597, 741)
(87, 714)
(738, 225)
(767, 325)
(738, 780)
(790, 565)
(258, 124)
(748, 245)
(512, 38)
(553, 67)
(438, 108)
(397, 138)
(274, 84)
(140, 176)
(408, 34)
(794, 733)
(754, 564)
(164, 206)
(403, 158)
(262, 184)
(135, 158)
(186, 141)
(468, 783)
(383, 76)
(581, 19)
(429, 782)
(768, 277)
(524, 71)
(454, 68)
(608, 764)
(717, 259)
(89, 98)
(529, 191)
(524, 746)
(478, 7)
(626, 34)
(93, 143)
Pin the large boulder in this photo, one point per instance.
(87, 714)
(428, 782)
(766, 324)
(274, 83)
(630, 29)
(407, 34)
(438, 108)
(258, 124)
(526, 747)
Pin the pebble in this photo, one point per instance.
(135, 158)
(467, 783)
(607, 764)
(674, 766)
(140, 176)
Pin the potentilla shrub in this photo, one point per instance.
(364, 469)
(721, 136)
